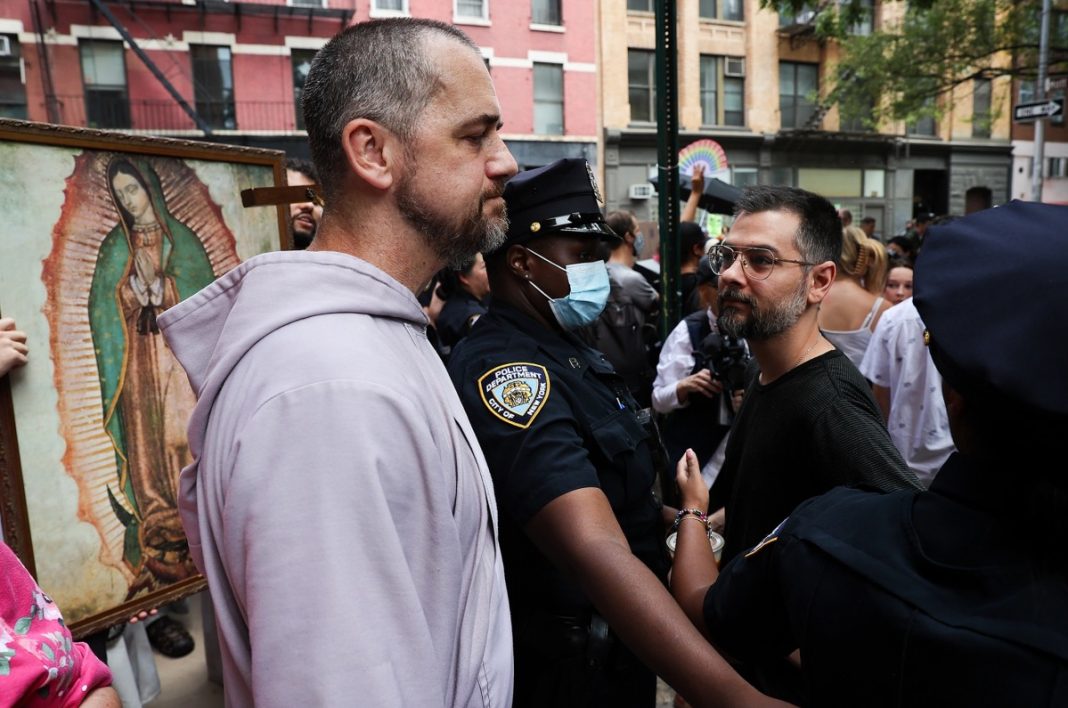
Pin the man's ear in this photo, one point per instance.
(372, 152)
(822, 277)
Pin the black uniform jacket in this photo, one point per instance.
(903, 599)
(457, 316)
(552, 417)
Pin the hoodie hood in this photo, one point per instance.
(211, 331)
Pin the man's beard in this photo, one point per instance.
(761, 324)
(454, 240)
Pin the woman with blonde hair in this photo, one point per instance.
(854, 303)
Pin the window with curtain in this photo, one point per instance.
(391, 5)
(107, 104)
(302, 61)
(213, 85)
(549, 99)
(798, 84)
(641, 85)
(472, 9)
(546, 12)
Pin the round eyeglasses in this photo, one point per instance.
(757, 263)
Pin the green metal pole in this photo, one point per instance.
(667, 124)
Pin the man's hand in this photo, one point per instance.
(13, 349)
(701, 383)
(736, 399)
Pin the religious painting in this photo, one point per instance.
(101, 234)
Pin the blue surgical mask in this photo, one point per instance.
(639, 243)
(589, 293)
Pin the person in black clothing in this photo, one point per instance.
(465, 291)
(953, 596)
(691, 249)
(808, 421)
(572, 466)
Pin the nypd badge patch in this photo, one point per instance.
(515, 392)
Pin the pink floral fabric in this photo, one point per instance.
(39, 664)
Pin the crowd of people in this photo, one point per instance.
(438, 446)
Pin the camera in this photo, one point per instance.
(726, 357)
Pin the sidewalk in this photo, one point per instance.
(184, 682)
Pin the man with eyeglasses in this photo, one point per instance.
(808, 422)
(953, 596)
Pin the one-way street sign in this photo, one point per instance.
(1025, 112)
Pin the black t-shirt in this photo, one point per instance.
(812, 429)
(902, 599)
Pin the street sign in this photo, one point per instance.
(1025, 112)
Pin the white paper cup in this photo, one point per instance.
(714, 539)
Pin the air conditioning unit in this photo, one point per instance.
(5, 46)
(641, 191)
(735, 66)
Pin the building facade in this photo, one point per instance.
(747, 77)
(240, 66)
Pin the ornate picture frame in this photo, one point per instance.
(99, 233)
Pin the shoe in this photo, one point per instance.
(169, 637)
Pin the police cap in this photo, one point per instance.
(560, 197)
(991, 289)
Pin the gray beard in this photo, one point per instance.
(762, 324)
(456, 244)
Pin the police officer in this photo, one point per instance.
(953, 596)
(581, 532)
(466, 290)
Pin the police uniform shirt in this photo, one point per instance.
(553, 417)
(459, 313)
(902, 599)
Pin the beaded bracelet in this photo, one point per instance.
(688, 513)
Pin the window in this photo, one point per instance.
(302, 61)
(744, 176)
(798, 84)
(640, 6)
(861, 23)
(721, 10)
(981, 116)
(722, 90)
(104, 76)
(803, 17)
(549, 99)
(545, 12)
(393, 6)
(642, 87)
(12, 90)
(307, 3)
(924, 127)
(1057, 167)
(213, 85)
(472, 9)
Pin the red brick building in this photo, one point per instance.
(239, 66)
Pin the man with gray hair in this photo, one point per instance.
(338, 501)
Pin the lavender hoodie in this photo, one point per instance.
(338, 501)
